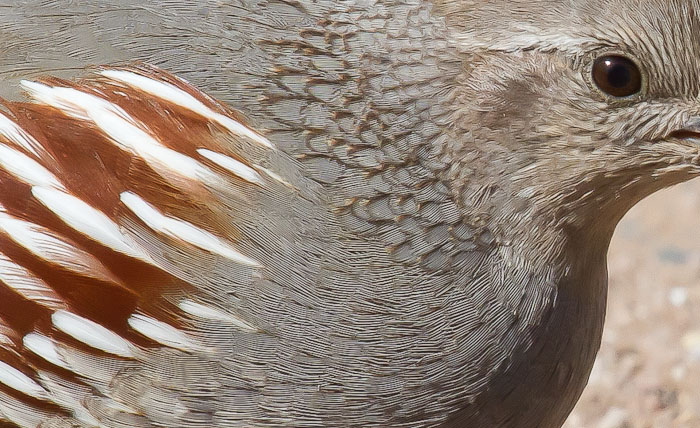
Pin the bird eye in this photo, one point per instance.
(617, 76)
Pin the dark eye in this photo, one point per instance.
(617, 76)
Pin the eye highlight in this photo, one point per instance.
(617, 76)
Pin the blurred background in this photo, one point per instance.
(648, 370)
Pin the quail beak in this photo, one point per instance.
(688, 140)
(690, 132)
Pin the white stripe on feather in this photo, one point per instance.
(207, 312)
(51, 248)
(91, 333)
(20, 412)
(27, 285)
(18, 381)
(89, 221)
(14, 133)
(69, 395)
(7, 335)
(72, 102)
(45, 348)
(182, 230)
(273, 175)
(123, 130)
(161, 332)
(239, 168)
(177, 96)
(84, 416)
(27, 169)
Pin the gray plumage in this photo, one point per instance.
(439, 259)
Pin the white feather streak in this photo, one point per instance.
(91, 333)
(161, 332)
(27, 169)
(45, 348)
(89, 221)
(182, 230)
(207, 312)
(48, 246)
(122, 129)
(238, 168)
(10, 130)
(18, 381)
(170, 93)
(274, 176)
(27, 285)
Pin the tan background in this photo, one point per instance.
(648, 369)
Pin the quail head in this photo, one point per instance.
(403, 223)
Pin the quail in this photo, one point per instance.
(338, 214)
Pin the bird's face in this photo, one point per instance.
(592, 103)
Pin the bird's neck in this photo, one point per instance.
(549, 364)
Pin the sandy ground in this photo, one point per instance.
(648, 369)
